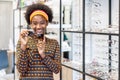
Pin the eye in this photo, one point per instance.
(42, 22)
(34, 23)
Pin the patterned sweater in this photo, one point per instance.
(31, 66)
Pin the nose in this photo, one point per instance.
(38, 26)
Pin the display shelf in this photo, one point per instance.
(77, 68)
(94, 39)
(102, 30)
(73, 64)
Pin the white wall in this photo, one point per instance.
(6, 23)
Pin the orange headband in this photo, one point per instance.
(39, 12)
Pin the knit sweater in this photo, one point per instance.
(31, 66)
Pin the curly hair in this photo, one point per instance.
(38, 6)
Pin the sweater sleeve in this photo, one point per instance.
(22, 59)
(53, 64)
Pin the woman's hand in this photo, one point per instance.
(24, 39)
(41, 47)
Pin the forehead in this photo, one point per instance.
(38, 18)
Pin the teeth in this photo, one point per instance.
(39, 30)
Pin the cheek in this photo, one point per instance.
(32, 27)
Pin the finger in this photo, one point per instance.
(44, 39)
(24, 33)
(24, 30)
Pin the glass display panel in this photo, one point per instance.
(72, 50)
(102, 56)
(95, 11)
(72, 15)
(98, 18)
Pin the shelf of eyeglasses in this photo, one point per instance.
(102, 71)
(73, 64)
(114, 30)
(95, 69)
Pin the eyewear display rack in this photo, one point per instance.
(90, 39)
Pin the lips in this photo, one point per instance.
(39, 31)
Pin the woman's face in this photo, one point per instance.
(39, 24)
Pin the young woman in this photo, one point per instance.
(37, 56)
